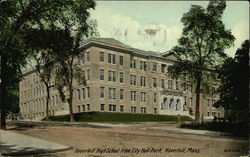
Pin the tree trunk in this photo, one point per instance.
(47, 103)
(3, 92)
(71, 114)
(197, 103)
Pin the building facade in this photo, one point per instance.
(119, 79)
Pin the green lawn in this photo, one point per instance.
(236, 129)
(118, 117)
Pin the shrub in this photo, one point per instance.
(118, 117)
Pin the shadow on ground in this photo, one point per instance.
(12, 150)
(21, 125)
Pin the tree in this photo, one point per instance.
(20, 17)
(201, 47)
(44, 68)
(68, 71)
(233, 89)
(45, 42)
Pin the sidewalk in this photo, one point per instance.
(12, 144)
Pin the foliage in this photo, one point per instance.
(233, 89)
(68, 70)
(118, 117)
(21, 21)
(201, 47)
(13, 99)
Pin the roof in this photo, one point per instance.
(109, 41)
(119, 46)
(116, 43)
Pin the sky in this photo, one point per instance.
(156, 26)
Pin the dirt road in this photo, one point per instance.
(134, 141)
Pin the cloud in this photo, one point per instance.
(157, 37)
(241, 33)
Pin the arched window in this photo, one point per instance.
(171, 102)
(165, 103)
(177, 104)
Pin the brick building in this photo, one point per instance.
(119, 79)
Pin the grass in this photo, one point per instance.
(108, 117)
(235, 129)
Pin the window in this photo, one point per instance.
(121, 60)
(133, 63)
(191, 87)
(78, 94)
(133, 95)
(111, 58)
(79, 60)
(132, 79)
(102, 92)
(155, 97)
(208, 114)
(162, 83)
(79, 108)
(213, 101)
(208, 102)
(83, 58)
(121, 94)
(88, 92)
(143, 109)
(143, 81)
(84, 75)
(154, 66)
(101, 56)
(112, 93)
(88, 107)
(169, 84)
(212, 91)
(163, 66)
(155, 110)
(102, 107)
(52, 101)
(87, 56)
(143, 96)
(112, 107)
(83, 108)
(101, 74)
(133, 109)
(213, 113)
(34, 92)
(143, 65)
(88, 74)
(121, 77)
(83, 93)
(191, 101)
(184, 86)
(121, 108)
(57, 99)
(154, 82)
(43, 101)
(177, 84)
(112, 76)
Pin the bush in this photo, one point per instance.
(117, 117)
